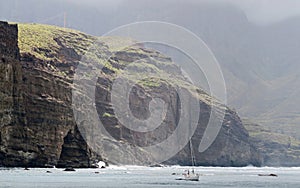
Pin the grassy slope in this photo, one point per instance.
(39, 40)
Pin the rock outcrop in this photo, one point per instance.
(37, 127)
(276, 149)
(37, 124)
(12, 110)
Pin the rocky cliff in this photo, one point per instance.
(37, 122)
(276, 149)
(37, 128)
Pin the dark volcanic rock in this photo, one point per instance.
(12, 114)
(36, 123)
(37, 126)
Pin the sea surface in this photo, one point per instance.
(159, 177)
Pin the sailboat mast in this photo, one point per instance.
(192, 153)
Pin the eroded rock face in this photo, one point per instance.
(231, 147)
(37, 126)
(12, 114)
(37, 120)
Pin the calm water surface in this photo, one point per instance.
(132, 176)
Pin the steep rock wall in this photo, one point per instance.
(37, 126)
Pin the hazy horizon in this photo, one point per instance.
(261, 12)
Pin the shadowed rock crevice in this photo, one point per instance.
(76, 153)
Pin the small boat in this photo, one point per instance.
(191, 175)
(274, 175)
(69, 169)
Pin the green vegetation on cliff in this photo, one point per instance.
(45, 42)
(41, 40)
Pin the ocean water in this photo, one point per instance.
(158, 177)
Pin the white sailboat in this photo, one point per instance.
(191, 175)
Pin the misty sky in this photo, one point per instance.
(257, 11)
(268, 11)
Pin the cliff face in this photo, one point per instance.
(276, 149)
(37, 127)
(12, 109)
(37, 124)
(232, 146)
